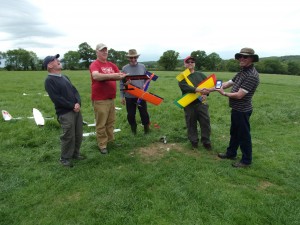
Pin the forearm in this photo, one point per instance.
(235, 95)
(109, 76)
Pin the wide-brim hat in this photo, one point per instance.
(249, 52)
(49, 59)
(188, 57)
(132, 53)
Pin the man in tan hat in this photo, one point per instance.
(134, 68)
(243, 84)
(104, 75)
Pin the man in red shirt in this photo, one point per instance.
(103, 76)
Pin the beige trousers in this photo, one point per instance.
(105, 120)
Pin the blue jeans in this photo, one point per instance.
(240, 136)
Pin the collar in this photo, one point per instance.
(55, 75)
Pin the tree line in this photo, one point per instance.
(21, 59)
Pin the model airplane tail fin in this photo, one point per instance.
(149, 75)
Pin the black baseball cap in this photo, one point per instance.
(49, 59)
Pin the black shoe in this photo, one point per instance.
(103, 151)
(79, 157)
(65, 162)
(195, 145)
(240, 165)
(225, 156)
(207, 146)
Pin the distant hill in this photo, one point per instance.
(295, 58)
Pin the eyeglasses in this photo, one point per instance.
(133, 57)
(189, 62)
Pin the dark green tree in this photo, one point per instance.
(169, 60)
(71, 60)
(274, 66)
(213, 62)
(87, 54)
(200, 59)
(117, 57)
(20, 59)
(293, 68)
(232, 65)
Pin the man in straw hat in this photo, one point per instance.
(103, 76)
(135, 68)
(243, 84)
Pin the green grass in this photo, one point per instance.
(144, 181)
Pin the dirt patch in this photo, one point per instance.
(157, 150)
(264, 185)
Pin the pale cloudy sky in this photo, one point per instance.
(47, 27)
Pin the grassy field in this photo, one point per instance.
(141, 180)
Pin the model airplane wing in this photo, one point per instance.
(38, 117)
(146, 96)
(6, 116)
(184, 75)
(94, 133)
(186, 99)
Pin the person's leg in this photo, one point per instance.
(111, 119)
(204, 121)
(234, 132)
(78, 133)
(144, 115)
(101, 110)
(67, 137)
(245, 137)
(191, 123)
(131, 111)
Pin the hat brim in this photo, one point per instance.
(137, 55)
(255, 57)
(188, 59)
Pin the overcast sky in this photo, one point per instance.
(271, 28)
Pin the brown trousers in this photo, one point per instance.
(105, 120)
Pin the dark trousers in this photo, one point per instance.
(240, 136)
(131, 105)
(195, 113)
(71, 137)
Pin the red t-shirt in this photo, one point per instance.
(102, 90)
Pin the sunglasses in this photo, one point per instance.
(244, 56)
(189, 62)
(133, 57)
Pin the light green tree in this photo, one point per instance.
(169, 60)
(71, 60)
